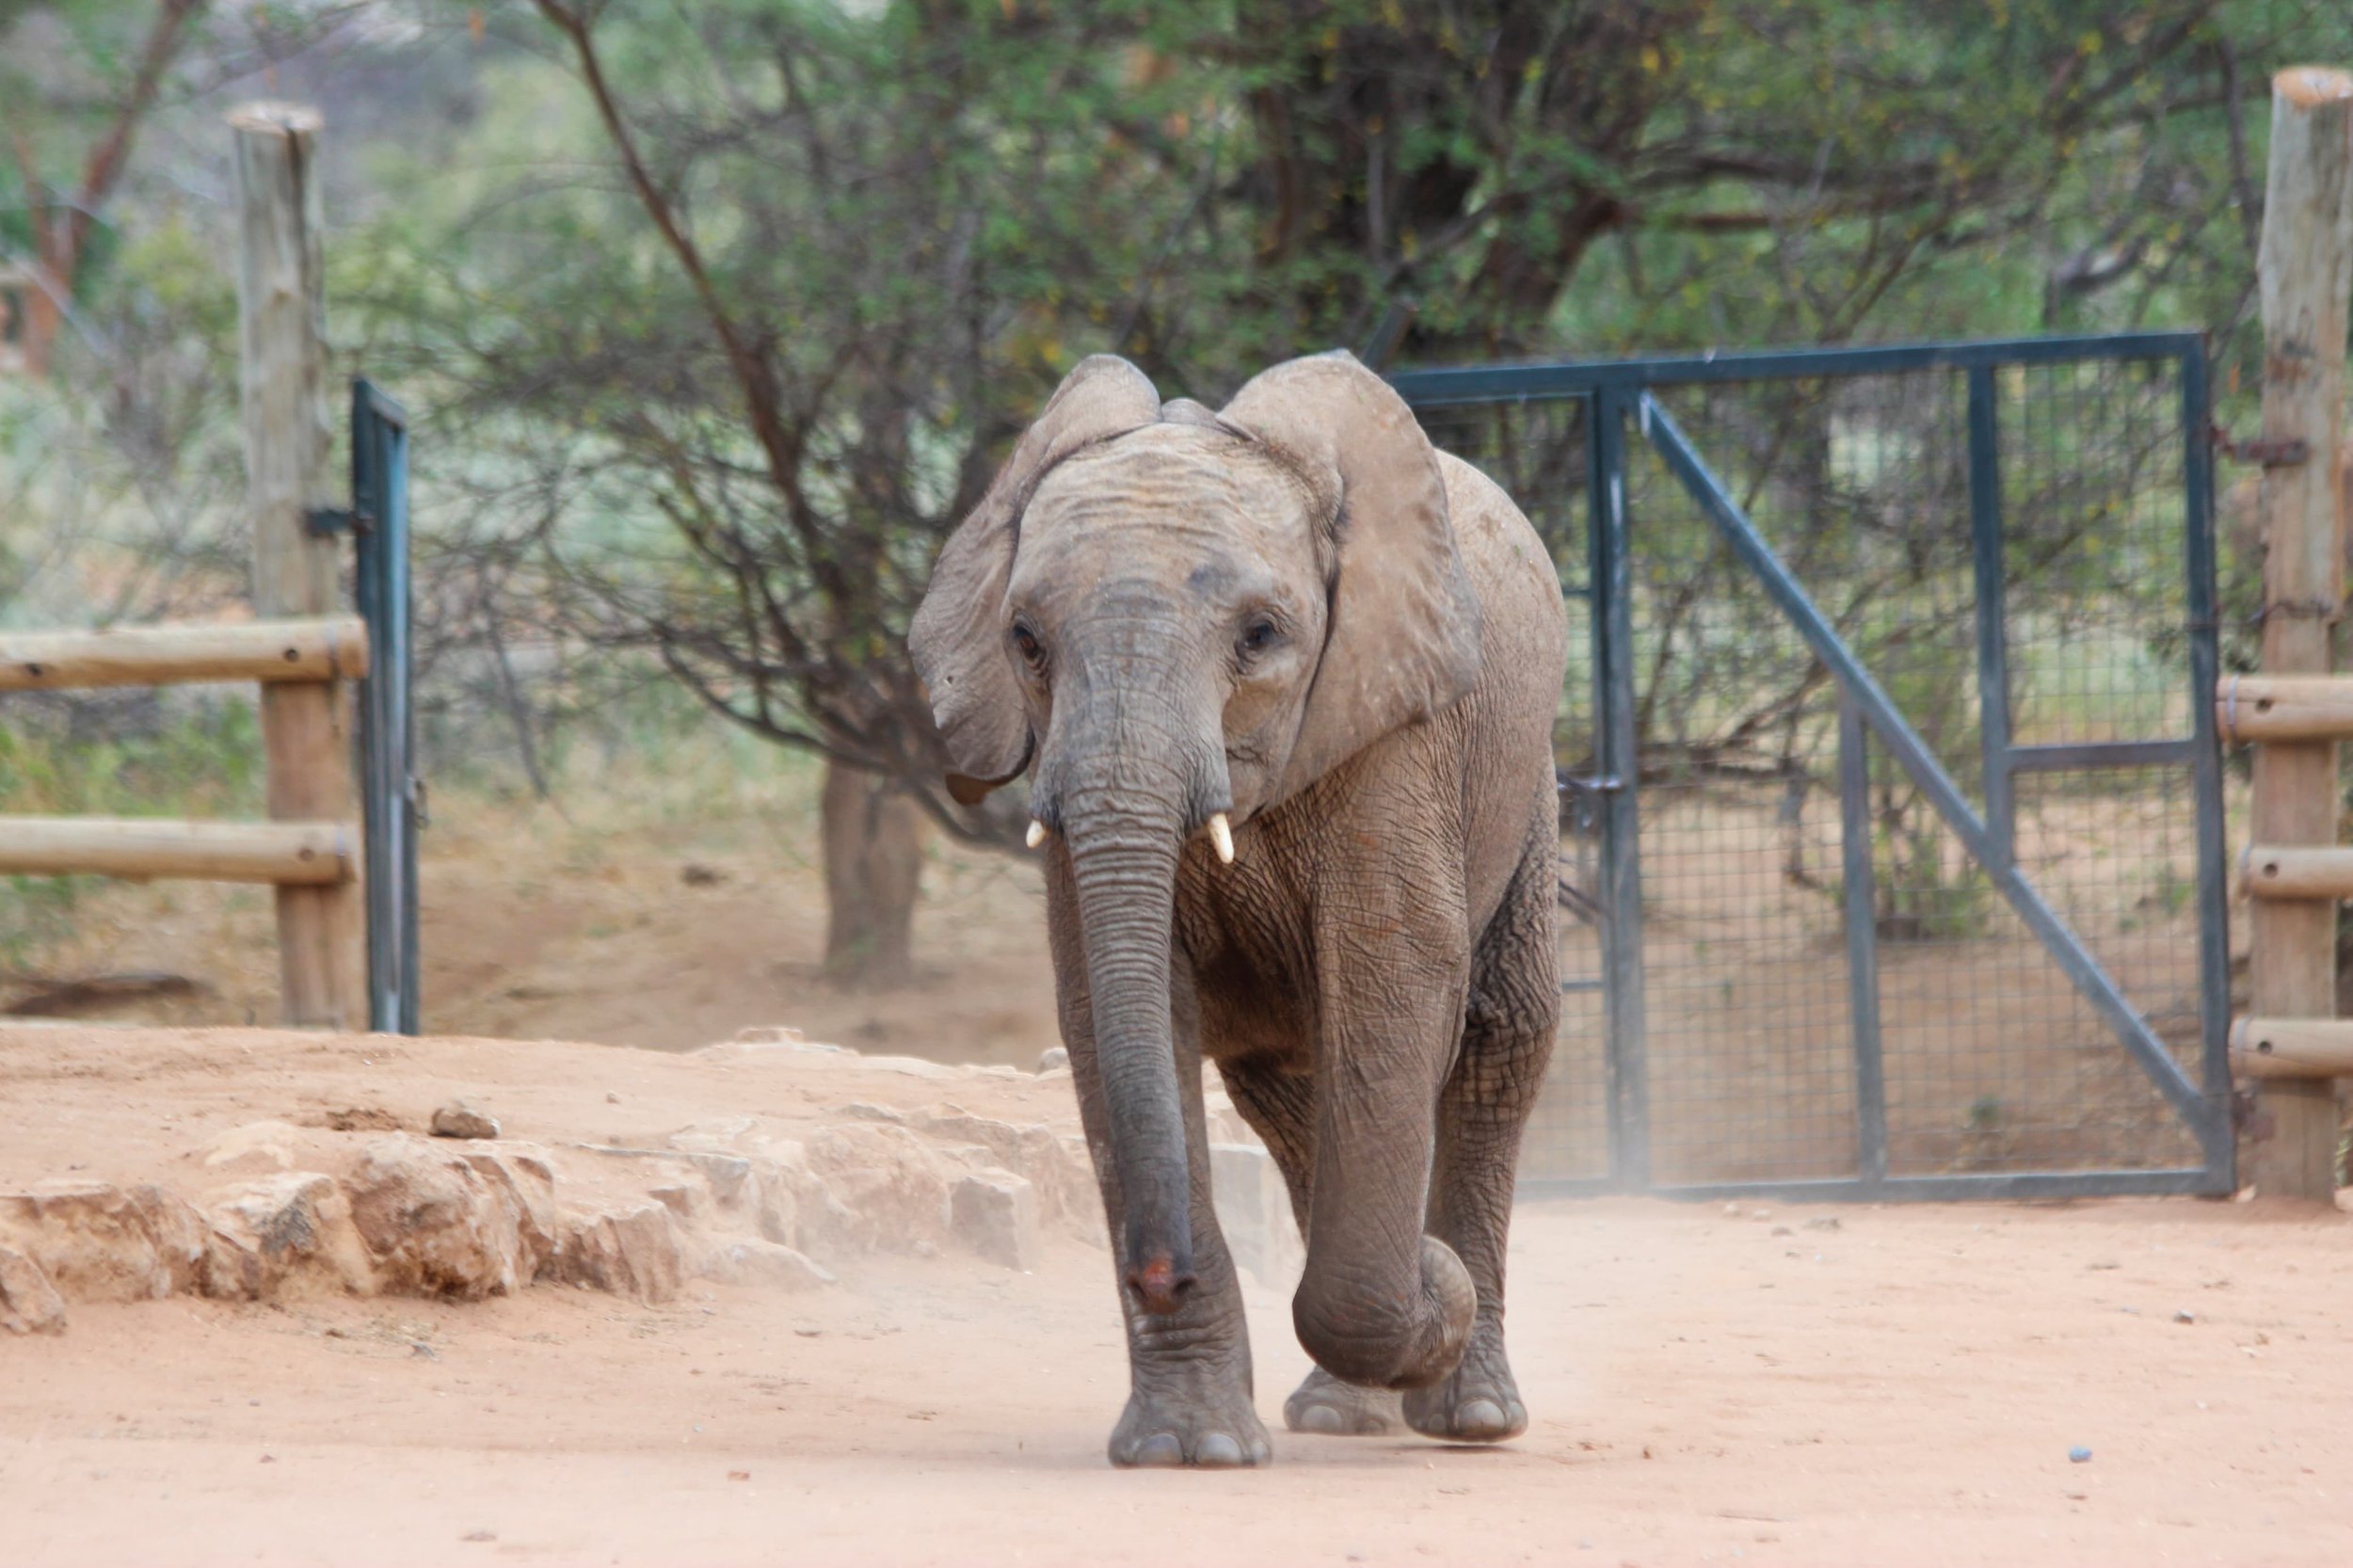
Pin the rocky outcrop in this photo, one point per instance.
(314, 1210)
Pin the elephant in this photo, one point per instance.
(1283, 678)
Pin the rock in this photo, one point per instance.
(98, 1242)
(266, 1145)
(859, 1111)
(751, 1262)
(459, 1120)
(28, 1303)
(281, 1232)
(994, 1213)
(2080, 1456)
(1827, 1221)
(725, 1136)
(2185, 1315)
(629, 1248)
(1066, 1186)
(521, 1172)
(689, 1202)
(1053, 1059)
(434, 1225)
(1254, 1210)
(888, 1190)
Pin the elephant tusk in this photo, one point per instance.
(1037, 833)
(1222, 836)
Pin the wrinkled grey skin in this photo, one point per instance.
(1297, 611)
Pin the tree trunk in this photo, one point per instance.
(873, 840)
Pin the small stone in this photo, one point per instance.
(739, 1475)
(479, 1535)
(1826, 1221)
(2080, 1456)
(612, 1099)
(2185, 1316)
(459, 1120)
(1055, 1059)
(1783, 1231)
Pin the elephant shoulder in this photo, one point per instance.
(1500, 550)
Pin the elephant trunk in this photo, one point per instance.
(1124, 794)
(1125, 877)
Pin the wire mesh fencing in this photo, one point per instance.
(1831, 971)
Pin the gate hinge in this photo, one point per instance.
(1596, 784)
(2282, 452)
(324, 522)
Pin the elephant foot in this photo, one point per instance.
(1325, 1405)
(1479, 1403)
(1206, 1430)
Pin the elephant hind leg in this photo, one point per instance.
(1280, 1107)
(1509, 1021)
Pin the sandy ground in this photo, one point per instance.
(1773, 1385)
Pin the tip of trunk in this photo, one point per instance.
(1161, 1284)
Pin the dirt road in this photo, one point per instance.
(1780, 1385)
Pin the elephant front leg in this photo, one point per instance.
(1382, 1305)
(1508, 1033)
(1190, 1398)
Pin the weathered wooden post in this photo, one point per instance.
(2306, 269)
(305, 728)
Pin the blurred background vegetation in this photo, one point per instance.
(715, 317)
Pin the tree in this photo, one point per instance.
(760, 371)
(78, 84)
(1743, 170)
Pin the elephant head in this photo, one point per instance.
(1177, 620)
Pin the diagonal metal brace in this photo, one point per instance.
(2206, 1119)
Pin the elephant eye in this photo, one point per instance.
(1259, 635)
(1026, 640)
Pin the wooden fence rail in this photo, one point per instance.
(288, 853)
(328, 647)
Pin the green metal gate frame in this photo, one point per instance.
(1618, 395)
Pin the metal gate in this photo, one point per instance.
(390, 793)
(1891, 801)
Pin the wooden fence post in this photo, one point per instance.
(306, 728)
(2306, 270)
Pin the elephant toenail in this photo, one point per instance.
(1218, 1452)
(1159, 1449)
(1320, 1417)
(1480, 1416)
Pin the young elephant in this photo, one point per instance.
(1284, 679)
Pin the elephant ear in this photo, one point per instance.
(1401, 636)
(957, 637)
